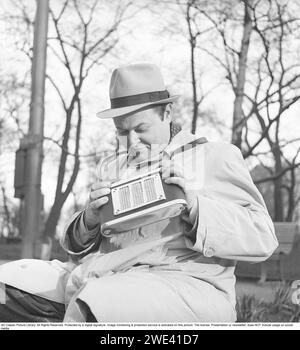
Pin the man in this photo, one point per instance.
(178, 269)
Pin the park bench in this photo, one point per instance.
(289, 262)
(284, 264)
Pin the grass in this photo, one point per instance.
(281, 309)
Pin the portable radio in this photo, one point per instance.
(140, 201)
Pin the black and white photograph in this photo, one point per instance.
(150, 166)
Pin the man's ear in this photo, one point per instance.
(168, 112)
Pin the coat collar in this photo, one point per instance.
(180, 139)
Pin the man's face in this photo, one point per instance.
(143, 132)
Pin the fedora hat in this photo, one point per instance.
(135, 87)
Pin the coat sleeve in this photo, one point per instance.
(230, 218)
(77, 240)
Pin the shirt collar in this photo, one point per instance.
(174, 129)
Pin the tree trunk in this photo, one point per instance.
(278, 198)
(6, 211)
(61, 196)
(194, 84)
(291, 197)
(238, 118)
(192, 41)
(54, 215)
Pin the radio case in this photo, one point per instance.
(140, 201)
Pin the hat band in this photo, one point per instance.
(132, 100)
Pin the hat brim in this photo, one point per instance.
(118, 112)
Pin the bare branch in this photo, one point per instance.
(277, 175)
(58, 91)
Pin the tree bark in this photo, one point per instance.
(60, 195)
(238, 117)
(278, 198)
(192, 41)
(6, 211)
(291, 196)
(194, 82)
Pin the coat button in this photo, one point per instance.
(209, 252)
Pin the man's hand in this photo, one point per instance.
(98, 198)
(175, 175)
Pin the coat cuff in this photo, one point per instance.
(194, 237)
(78, 239)
(235, 232)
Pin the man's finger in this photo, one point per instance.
(99, 193)
(186, 218)
(176, 181)
(98, 203)
(102, 184)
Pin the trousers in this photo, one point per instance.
(19, 306)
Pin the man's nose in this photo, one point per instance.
(132, 138)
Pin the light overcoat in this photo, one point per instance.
(172, 271)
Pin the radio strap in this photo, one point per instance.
(178, 150)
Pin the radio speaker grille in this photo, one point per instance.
(137, 193)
